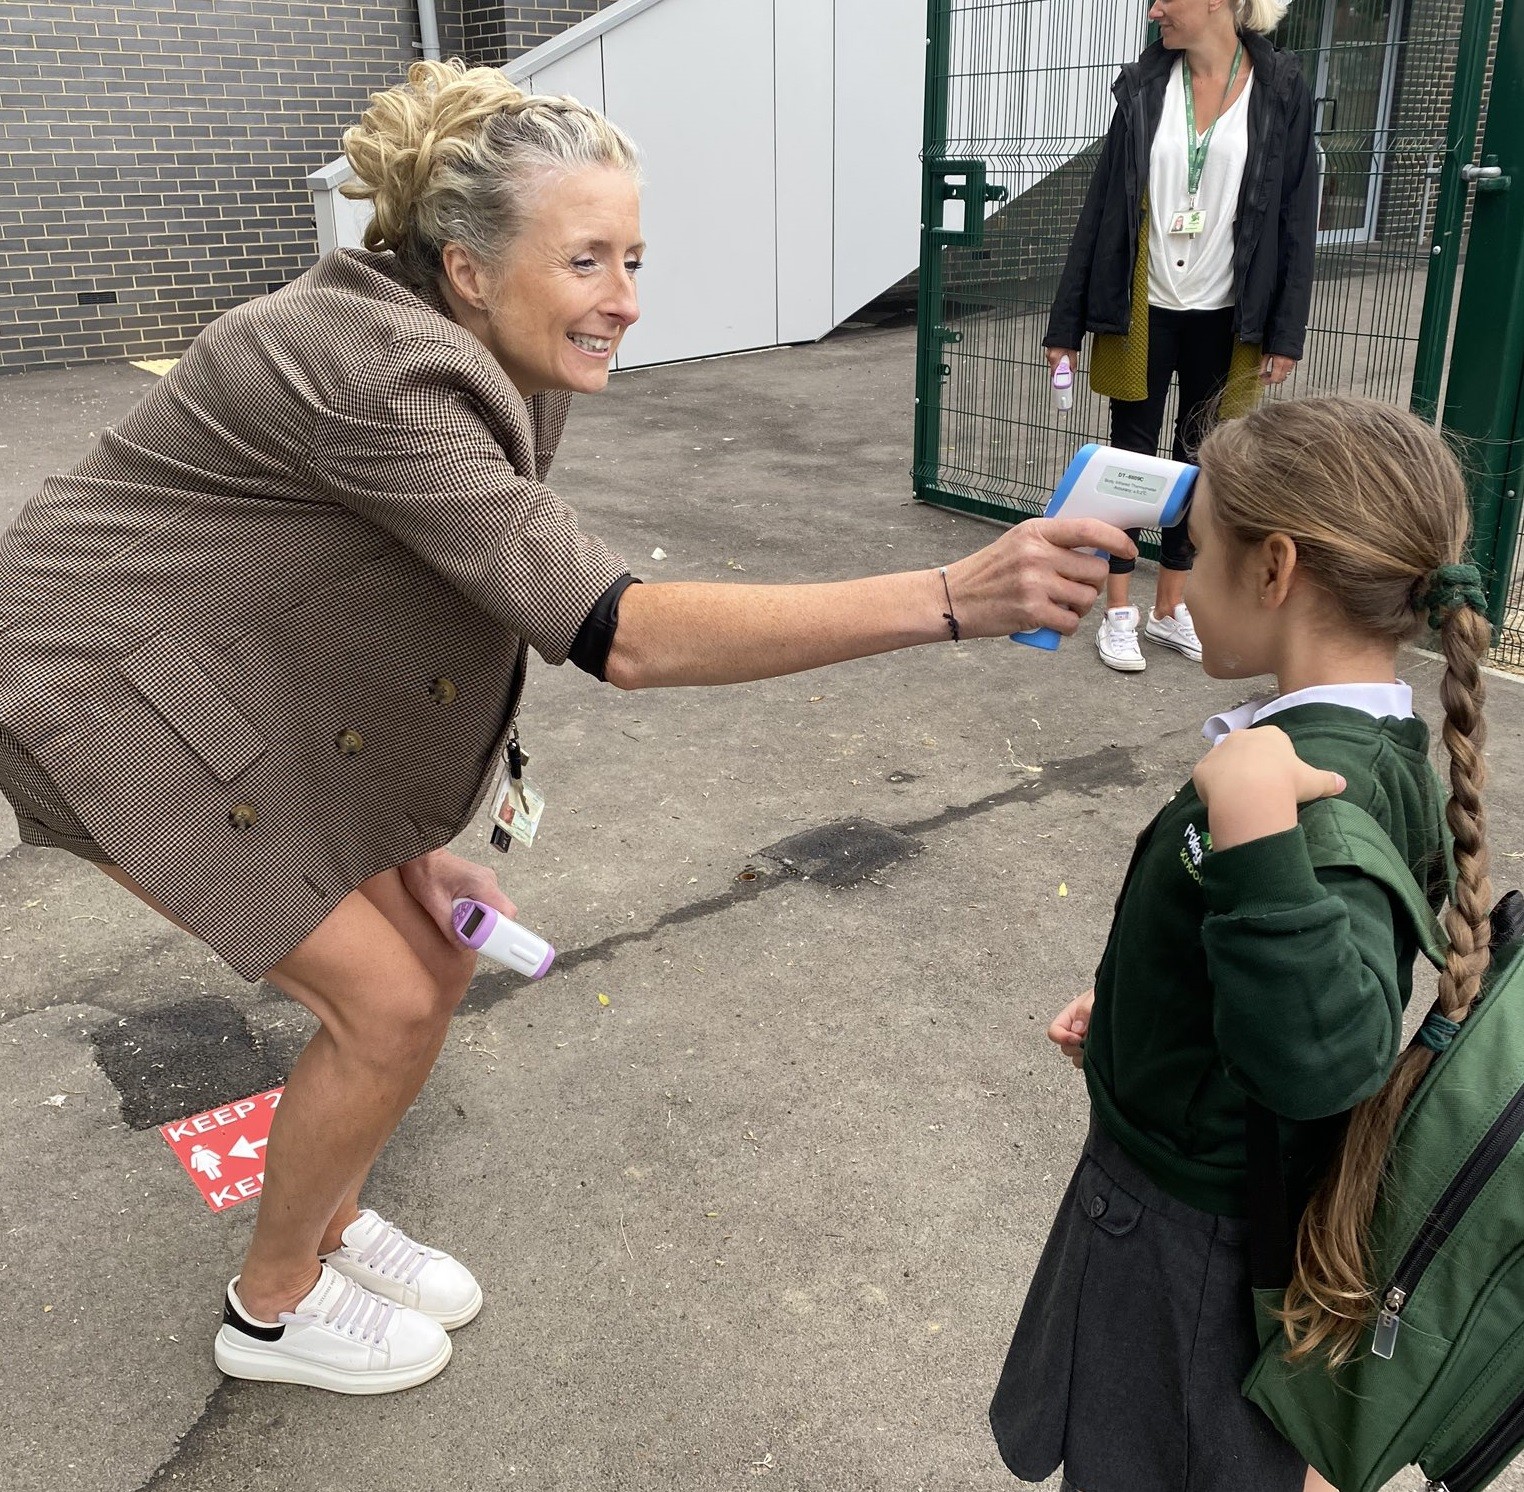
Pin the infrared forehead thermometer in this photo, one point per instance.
(485, 929)
(1124, 488)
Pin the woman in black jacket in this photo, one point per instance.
(1202, 215)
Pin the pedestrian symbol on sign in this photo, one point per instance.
(208, 1162)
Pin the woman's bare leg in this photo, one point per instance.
(450, 963)
(384, 1012)
(1169, 591)
(1315, 1483)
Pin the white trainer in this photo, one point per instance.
(1117, 640)
(1176, 631)
(380, 1256)
(340, 1337)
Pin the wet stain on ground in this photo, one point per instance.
(179, 1059)
(841, 854)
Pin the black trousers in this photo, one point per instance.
(1198, 347)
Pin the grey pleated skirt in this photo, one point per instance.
(1136, 1332)
(42, 816)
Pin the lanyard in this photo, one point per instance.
(1196, 150)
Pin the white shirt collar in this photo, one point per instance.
(1379, 701)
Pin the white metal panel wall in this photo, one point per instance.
(692, 82)
(806, 170)
(580, 74)
(1065, 56)
(880, 93)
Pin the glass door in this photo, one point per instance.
(1356, 72)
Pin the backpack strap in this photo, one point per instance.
(1340, 833)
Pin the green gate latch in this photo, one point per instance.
(973, 191)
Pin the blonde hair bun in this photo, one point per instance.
(453, 154)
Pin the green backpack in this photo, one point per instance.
(1440, 1379)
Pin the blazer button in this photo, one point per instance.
(443, 691)
(350, 742)
(243, 816)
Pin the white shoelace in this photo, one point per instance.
(393, 1254)
(357, 1312)
(1187, 629)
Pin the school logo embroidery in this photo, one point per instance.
(1196, 845)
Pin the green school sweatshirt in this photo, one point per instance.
(1247, 972)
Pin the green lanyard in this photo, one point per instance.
(1196, 150)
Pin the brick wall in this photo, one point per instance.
(154, 153)
(495, 34)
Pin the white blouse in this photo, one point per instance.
(1194, 272)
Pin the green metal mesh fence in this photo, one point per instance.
(1028, 93)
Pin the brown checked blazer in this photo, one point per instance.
(267, 638)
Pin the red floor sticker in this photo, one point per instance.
(223, 1150)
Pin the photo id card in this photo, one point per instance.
(516, 809)
(1189, 222)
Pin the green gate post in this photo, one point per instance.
(1484, 400)
(928, 364)
(1450, 211)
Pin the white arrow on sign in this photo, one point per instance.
(247, 1149)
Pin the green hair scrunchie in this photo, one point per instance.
(1437, 1031)
(1449, 588)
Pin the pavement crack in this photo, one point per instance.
(1088, 776)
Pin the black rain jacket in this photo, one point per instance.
(1277, 208)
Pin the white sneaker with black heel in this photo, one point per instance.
(341, 1337)
(1176, 631)
(381, 1257)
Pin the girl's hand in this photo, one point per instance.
(1067, 1032)
(1252, 782)
(437, 880)
(1276, 369)
(1057, 353)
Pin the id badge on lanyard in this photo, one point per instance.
(1189, 221)
(516, 803)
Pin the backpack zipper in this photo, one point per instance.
(1464, 1188)
(1485, 1457)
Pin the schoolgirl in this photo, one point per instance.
(1327, 532)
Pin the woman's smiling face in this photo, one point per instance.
(556, 309)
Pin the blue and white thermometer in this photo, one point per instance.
(1124, 488)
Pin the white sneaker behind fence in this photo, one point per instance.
(1176, 631)
(1117, 640)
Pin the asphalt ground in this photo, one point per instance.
(763, 1219)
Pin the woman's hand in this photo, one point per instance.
(1067, 1032)
(437, 880)
(1252, 783)
(1276, 369)
(1034, 575)
(1055, 354)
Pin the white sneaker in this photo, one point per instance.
(381, 1257)
(1177, 631)
(339, 1337)
(1117, 640)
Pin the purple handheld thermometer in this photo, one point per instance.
(486, 929)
